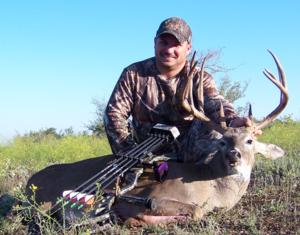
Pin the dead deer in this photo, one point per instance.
(218, 179)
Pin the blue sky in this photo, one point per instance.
(57, 56)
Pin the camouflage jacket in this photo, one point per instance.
(149, 98)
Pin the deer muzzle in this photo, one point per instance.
(234, 157)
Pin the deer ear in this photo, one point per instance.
(270, 151)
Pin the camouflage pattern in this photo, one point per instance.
(177, 27)
(148, 98)
(199, 143)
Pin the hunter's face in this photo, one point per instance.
(170, 54)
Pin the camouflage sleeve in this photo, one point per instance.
(212, 101)
(117, 112)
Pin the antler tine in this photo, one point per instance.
(193, 63)
(250, 116)
(280, 71)
(200, 88)
(222, 117)
(190, 76)
(279, 68)
(281, 84)
(187, 92)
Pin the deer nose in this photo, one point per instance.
(235, 154)
(234, 157)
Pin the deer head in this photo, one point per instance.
(208, 141)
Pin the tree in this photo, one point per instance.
(231, 90)
(43, 134)
(97, 126)
(51, 132)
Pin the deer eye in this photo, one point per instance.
(249, 141)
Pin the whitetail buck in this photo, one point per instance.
(218, 180)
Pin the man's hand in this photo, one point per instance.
(244, 121)
(241, 121)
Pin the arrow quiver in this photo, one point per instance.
(93, 194)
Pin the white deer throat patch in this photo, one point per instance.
(243, 172)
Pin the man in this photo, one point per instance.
(147, 91)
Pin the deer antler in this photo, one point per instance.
(188, 94)
(281, 84)
(188, 89)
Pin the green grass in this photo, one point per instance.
(271, 205)
(38, 154)
(26, 155)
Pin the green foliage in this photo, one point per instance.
(232, 90)
(28, 154)
(96, 126)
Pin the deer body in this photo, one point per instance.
(189, 189)
(217, 180)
